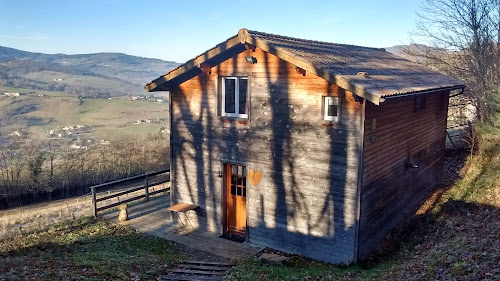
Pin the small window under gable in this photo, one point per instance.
(331, 109)
(234, 98)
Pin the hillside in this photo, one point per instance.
(37, 113)
(118, 74)
(409, 52)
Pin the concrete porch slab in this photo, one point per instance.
(153, 218)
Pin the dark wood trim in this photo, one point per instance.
(172, 166)
(360, 181)
(224, 196)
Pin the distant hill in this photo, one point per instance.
(110, 74)
(409, 51)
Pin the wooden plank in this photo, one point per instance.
(129, 179)
(172, 277)
(94, 202)
(196, 272)
(120, 193)
(182, 207)
(206, 263)
(204, 267)
(159, 191)
(121, 202)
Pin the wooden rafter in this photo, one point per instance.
(250, 47)
(300, 71)
(205, 68)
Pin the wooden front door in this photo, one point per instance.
(236, 190)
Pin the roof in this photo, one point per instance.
(371, 73)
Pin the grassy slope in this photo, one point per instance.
(86, 249)
(454, 236)
(111, 118)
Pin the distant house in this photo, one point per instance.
(12, 94)
(304, 146)
(15, 133)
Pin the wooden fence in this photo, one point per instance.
(145, 185)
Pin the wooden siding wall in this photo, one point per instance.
(396, 134)
(306, 201)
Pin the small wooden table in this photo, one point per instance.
(183, 208)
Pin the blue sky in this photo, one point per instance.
(179, 30)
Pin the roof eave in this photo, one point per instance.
(163, 81)
(429, 91)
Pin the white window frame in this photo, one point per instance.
(326, 117)
(236, 98)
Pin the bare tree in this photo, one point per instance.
(460, 38)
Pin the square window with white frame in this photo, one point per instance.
(331, 109)
(234, 97)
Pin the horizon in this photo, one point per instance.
(109, 52)
(132, 28)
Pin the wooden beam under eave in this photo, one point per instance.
(157, 88)
(151, 86)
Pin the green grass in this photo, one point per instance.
(481, 173)
(252, 269)
(86, 249)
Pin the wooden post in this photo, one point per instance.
(94, 200)
(449, 137)
(146, 186)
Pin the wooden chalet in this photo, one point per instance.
(307, 147)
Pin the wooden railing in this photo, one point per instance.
(96, 188)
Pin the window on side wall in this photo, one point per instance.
(234, 97)
(331, 109)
